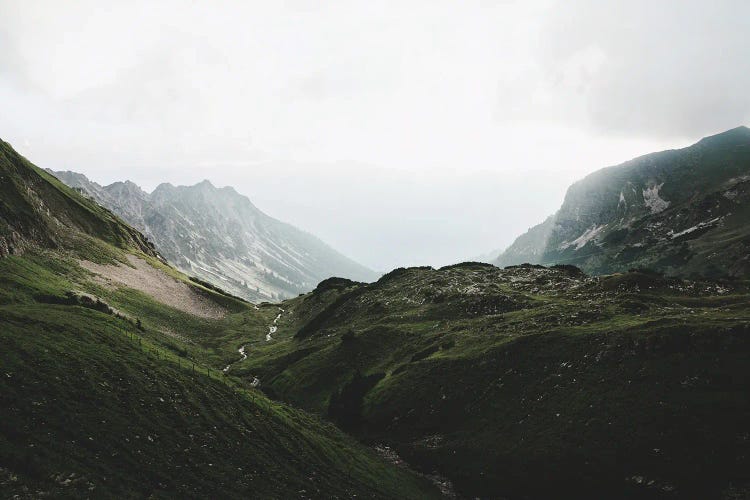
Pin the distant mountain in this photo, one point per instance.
(683, 212)
(219, 236)
(487, 257)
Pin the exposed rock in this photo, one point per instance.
(219, 236)
(681, 211)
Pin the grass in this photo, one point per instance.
(526, 382)
(94, 405)
(37, 209)
(539, 382)
(88, 409)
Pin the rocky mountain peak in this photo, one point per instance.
(218, 235)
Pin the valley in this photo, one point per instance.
(110, 386)
(294, 250)
(124, 377)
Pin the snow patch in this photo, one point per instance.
(587, 236)
(689, 230)
(653, 201)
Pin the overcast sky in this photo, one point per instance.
(401, 133)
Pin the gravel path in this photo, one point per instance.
(159, 285)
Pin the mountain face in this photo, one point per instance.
(219, 236)
(683, 212)
(529, 247)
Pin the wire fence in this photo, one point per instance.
(197, 369)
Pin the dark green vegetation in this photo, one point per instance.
(530, 382)
(685, 212)
(88, 410)
(107, 392)
(36, 208)
(524, 382)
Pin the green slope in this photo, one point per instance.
(87, 411)
(530, 382)
(37, 209)
(107, 391)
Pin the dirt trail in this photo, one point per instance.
(158, 284)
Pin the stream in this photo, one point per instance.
(243, 357)
(242, 350)
(272, 329)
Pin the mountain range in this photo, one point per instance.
(683, 212)
(122, 377)
(218, 235)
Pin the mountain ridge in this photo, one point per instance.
(671, 211)
(37, 209)
(219, 235)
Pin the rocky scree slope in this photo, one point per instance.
(685, 212)
(219, 236)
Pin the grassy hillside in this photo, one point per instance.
(108, 378)
(524, 382)
(95, 405)
(37, 209)
(530, 382)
